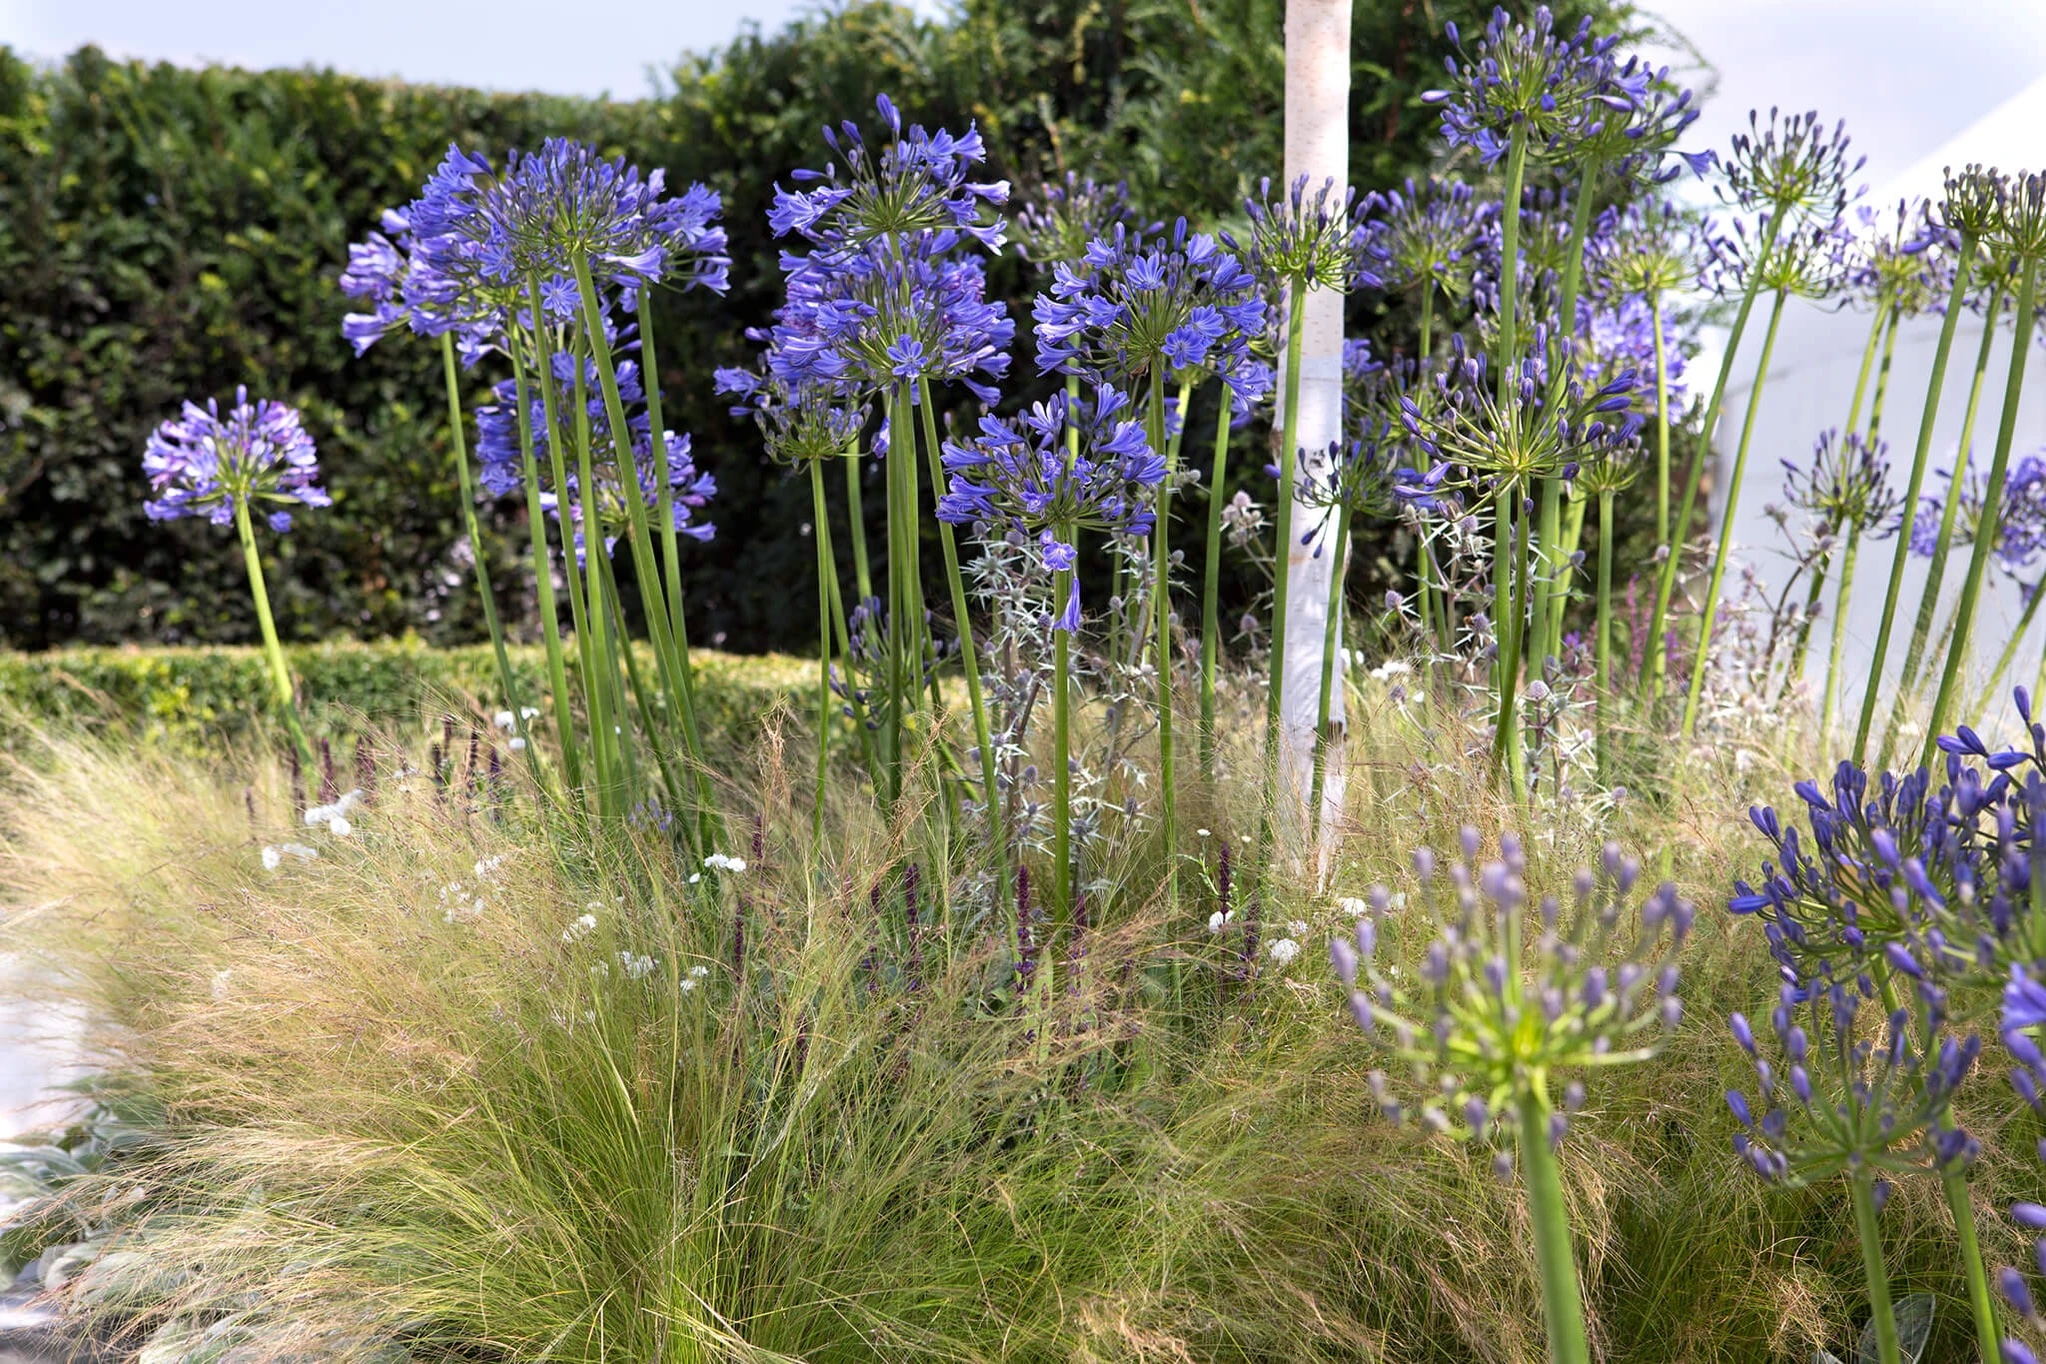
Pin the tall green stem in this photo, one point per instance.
(1161, 613)
(1507, 605)
(1880, 1314)
(1841, 602)
(2010, 651)
(856, 523)
(280, 671)
(969, 652)
(1936, 566)
(543, 574)
(1331, 643)
(1061, 762)
(1603, 649)
(820, 519)
(1981, 1306)
(1992, 508)
(1211, 580)
(1542, 1173)
(1728, 514)
(1552, 589)
(1658, 633)
(466, 480)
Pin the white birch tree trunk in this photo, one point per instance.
(1318, 147)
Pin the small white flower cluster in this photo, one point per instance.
(273, 858)
(1219, 921)
(486, 870)
(508, 722)
(720, 862)
(1391, 668)
(584, 925)
(636, 966)
(335, 816)
(1283, 951)
(460, 906)
(694, 978)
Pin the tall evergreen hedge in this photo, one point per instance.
(167, 233)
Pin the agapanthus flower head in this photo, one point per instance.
(1791, 166)
(915, 185)
(1306, 237)
(1646, 248)
(1637, 143)
(2021, 227)
(1363, 473)
(1018, 471)
(1974, 201)
(690, 491)
(1544, 429)
(567, 202)
(257, 457)
(1179, 300)
(887, 314)
(1058, 221)
(1617, 337)
(1845, 482)
(402, 280)
(1425, 233)
(1840, 1098)
(1612, 471)
(797, 424)
(1809, 259)
(1528, 77)
(2020, 513)
(1903, 260)
(1596, 984)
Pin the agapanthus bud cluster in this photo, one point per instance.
(2021, 226)
(1527, 77)
(798, 423)
(1544, 430)
(1511, 995)
(1632, 133)
(1131, 302)
(1790, 167)
(1062, 217)
(1839, 1098)
(1974, 200)
(1813, 260)
(1845, 482)
(257, 457)
(1425, 233)
(1650, 249)
(1304, 239)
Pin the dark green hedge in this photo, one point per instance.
(167, 233)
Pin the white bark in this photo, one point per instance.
(1318, 147)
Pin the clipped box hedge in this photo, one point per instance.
(215, 695)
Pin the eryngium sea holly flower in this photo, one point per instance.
(1526, 76)
(1131, 302)
(258, 456)
(1790, 167)
(1487, 1020)
(1841, 1099)
(1058, 221)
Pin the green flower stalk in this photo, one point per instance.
(280, 671)
(1211, 579)
(565, 730)
(1487, 1035)
(1970, 209)
(1806, 263)
(2022, 232)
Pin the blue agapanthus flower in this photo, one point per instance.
(1526, 75)
(691, 489)
(1131, 302)
(2021, 514)
(258, 457)
(1845, 482)
(797, 424)
(1790, 166)
(916, 184)
(1312, 240)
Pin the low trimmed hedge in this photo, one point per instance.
(211, 695)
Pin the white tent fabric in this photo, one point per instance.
(1808, 389)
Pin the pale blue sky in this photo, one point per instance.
(1906, 74)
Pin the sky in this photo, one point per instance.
(1905, 74)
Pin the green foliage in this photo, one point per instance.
(167, 233)
(196, 696)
